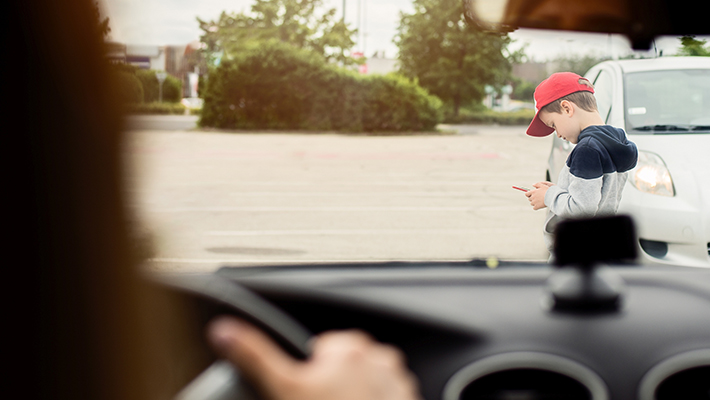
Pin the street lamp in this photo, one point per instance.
(161, 78)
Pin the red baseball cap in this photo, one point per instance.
(558, 85)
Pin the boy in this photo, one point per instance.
(591, 182)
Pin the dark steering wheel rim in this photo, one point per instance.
(221, 380)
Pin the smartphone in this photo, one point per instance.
(524, 189)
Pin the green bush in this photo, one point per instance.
(172, 87)
(524, 90)
(395, 103)
(522, 117)
(156, 108)
(128, 88)
(276, 86)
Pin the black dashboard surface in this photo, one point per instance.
(448, 316)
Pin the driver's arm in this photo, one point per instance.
(345, 365)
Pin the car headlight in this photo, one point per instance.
(652, 176)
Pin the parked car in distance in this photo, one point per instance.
(192, 102)
(663, 104)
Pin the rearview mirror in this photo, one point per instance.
(640, 20)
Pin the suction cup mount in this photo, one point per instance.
(583, 249)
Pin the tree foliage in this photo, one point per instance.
(693, 47)
(136, 86)
(577, 63)
(448, 57)
(277, 86)
(523, 90)
(297, 22)
(129, 88)
(102, 27)
(172, 87)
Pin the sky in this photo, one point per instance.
(173, 22)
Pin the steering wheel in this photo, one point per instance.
(221, 381)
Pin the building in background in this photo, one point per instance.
(533, 72)
(116, 52)
(181, 61)
(379, 64)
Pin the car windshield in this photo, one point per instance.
(667, 102)
(291, 132)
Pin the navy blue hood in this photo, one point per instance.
(614, 151)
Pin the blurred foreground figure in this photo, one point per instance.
(81, 322)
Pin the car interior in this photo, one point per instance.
(595, 325)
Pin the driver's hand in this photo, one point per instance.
(346, 365)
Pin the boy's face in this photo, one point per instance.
(565, 126)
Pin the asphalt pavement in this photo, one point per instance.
(206, 199)
(162, 122)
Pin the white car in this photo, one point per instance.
(663, 104)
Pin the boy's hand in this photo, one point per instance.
(537, 195)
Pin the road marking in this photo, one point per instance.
(315, 261)
(308, 209)
(236, 182)
(358, 194)
(338, 209)
(345, 232)
(286, 155)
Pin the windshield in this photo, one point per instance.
(284, 132)
(667, 102)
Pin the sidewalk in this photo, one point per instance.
(162, 122)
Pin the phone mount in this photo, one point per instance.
(583, 248)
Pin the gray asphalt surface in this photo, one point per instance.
(162, 122)
(206, 199)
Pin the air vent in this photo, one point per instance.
(690, 384)
(525, 376)
(684, 376)
(525, 384)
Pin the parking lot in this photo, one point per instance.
(205, 199)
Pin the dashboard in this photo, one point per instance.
(472, 332)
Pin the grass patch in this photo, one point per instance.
(156, 108)
(488, 117)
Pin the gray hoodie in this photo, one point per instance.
(592, 180)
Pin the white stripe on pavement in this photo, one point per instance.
(358, 194)
(237, 182)
(301, 261)
(341, 232)
(336, 209)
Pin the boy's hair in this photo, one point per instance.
(584, 100)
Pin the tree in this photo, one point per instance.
(101, 24)
(291, 21)
(693, 47)
(579, 64)
(523, 89)
(450, 58)
(129, 88)
(172, 86)
(278, 86)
